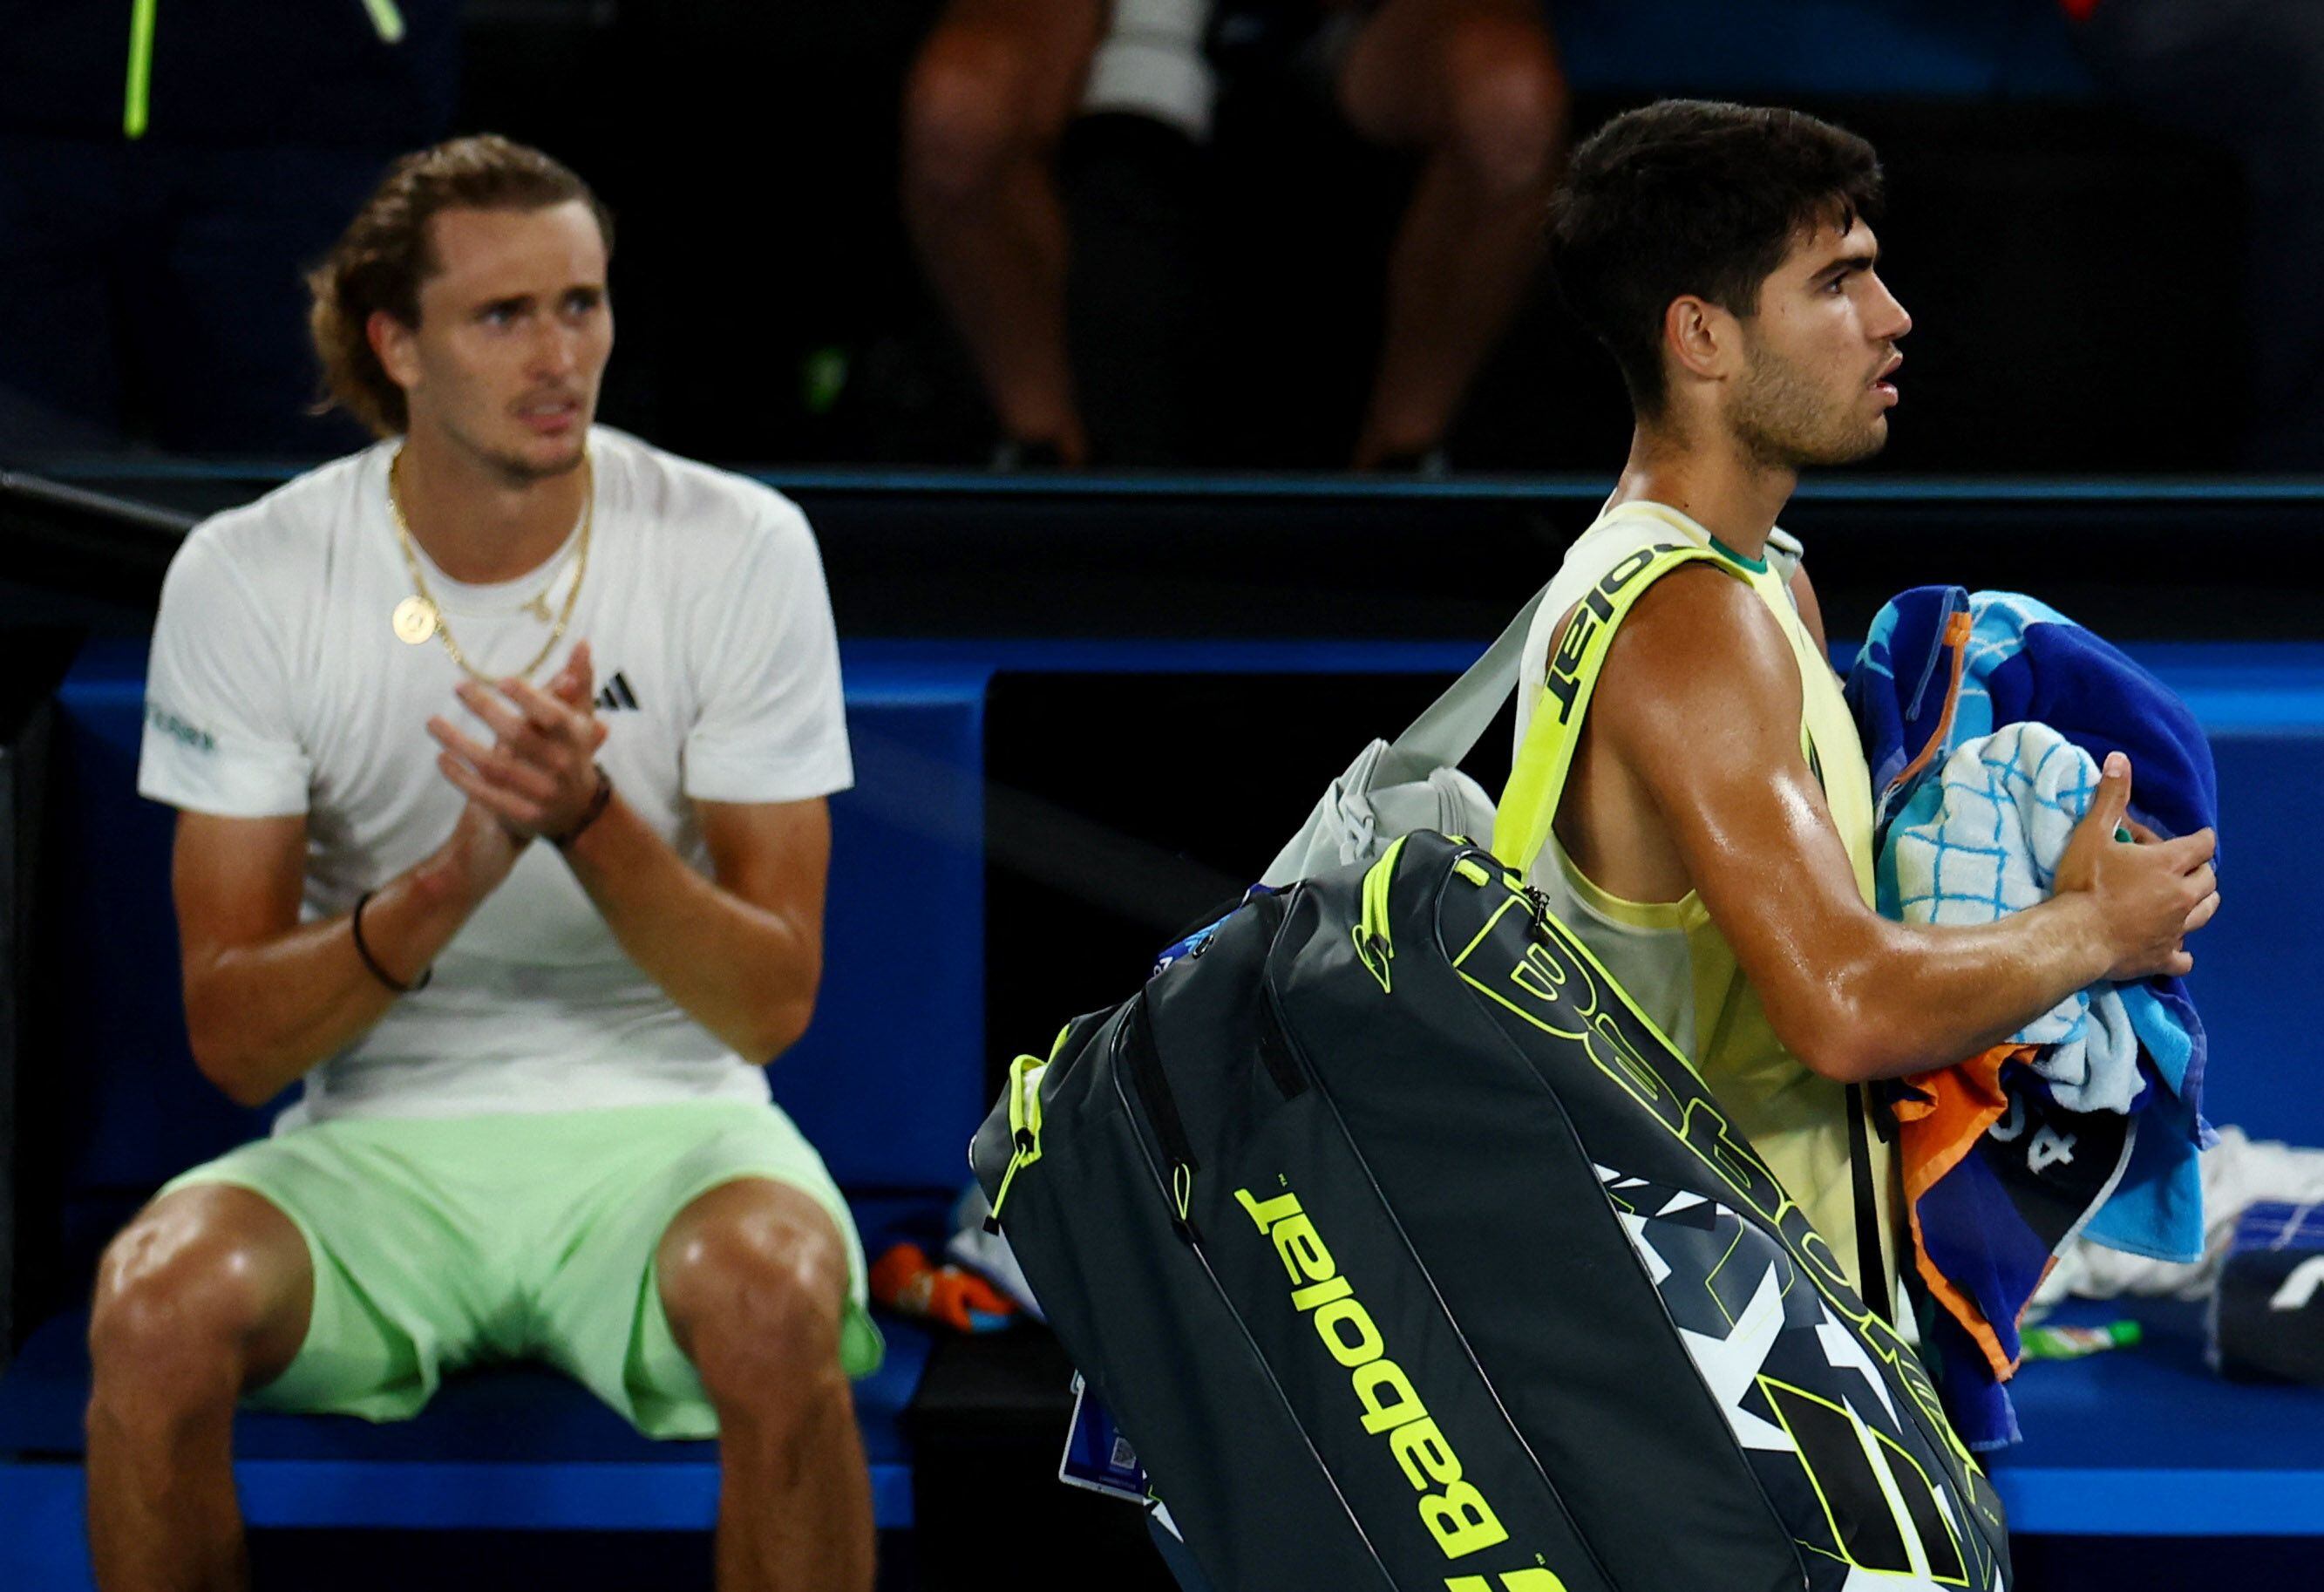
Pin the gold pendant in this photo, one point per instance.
(414, 620)
(538, 607)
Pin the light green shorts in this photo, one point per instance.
(440, 1244)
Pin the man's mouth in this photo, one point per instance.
(549, 415)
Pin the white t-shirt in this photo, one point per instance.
(277, 686)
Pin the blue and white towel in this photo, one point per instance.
(1984, 840)
(1985, 720)
(1940, 667)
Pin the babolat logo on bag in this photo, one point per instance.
(1676, 1391)
(1457, 1515)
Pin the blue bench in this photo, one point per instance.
(888, 1083)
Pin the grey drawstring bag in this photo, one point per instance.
(1414, 781)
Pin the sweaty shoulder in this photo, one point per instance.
(722, 515)
(1699, 652)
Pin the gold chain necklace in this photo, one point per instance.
(419, 616)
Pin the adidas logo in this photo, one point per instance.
(616, 694)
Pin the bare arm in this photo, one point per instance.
(742, 952)
(1701, 703)
(267, 997)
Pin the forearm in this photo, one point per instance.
(1919, 996)
(261, 1016)
(746, 973)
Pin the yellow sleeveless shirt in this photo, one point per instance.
(1669, 955)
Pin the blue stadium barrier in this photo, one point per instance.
(1770, 49)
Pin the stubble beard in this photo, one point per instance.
(1785, 422)
(515, 470)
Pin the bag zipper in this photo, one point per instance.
(1375, 943)
(1025, 1075)
(1276, 1053)
(1135, 1053)
(1274, 1384)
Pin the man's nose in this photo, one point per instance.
(1894, 321)
(556, 353)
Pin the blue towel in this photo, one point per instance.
(1984, 720)
(2024, 660)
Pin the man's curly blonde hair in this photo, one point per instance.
(384, 256)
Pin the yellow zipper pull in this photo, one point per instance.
(1024, 1123)
(1375, 946)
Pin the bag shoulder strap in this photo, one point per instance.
(1450, 727)
(1528, 804)
(1871, 1270)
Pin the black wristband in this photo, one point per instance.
(589, 814)
(371, 962)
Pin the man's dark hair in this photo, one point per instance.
(1693, 196)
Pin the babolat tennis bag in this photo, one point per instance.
(1408, 1255)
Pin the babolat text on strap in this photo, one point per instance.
(1528, 805)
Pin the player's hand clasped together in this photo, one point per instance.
(540, 776)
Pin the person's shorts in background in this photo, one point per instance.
(441, 1243)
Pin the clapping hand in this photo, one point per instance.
(539, 776)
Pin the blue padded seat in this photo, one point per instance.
(511, 1449)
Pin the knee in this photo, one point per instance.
(1507, 99)
(966, 116)
(757, 1302)
(177, 1307)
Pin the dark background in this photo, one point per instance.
(2070, 269)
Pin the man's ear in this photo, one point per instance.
(392, 344)
(1704, 338)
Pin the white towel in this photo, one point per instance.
(1984, 841)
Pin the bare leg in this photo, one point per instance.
(987, 100)
(753, 1279)
(204, 1294)
(1475, 84)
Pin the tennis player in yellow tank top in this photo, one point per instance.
(1714, 842)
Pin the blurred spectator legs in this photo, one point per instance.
(1475, 85)
(151, 292)
(986, 105)
(2248, 74)
(1472, 85)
